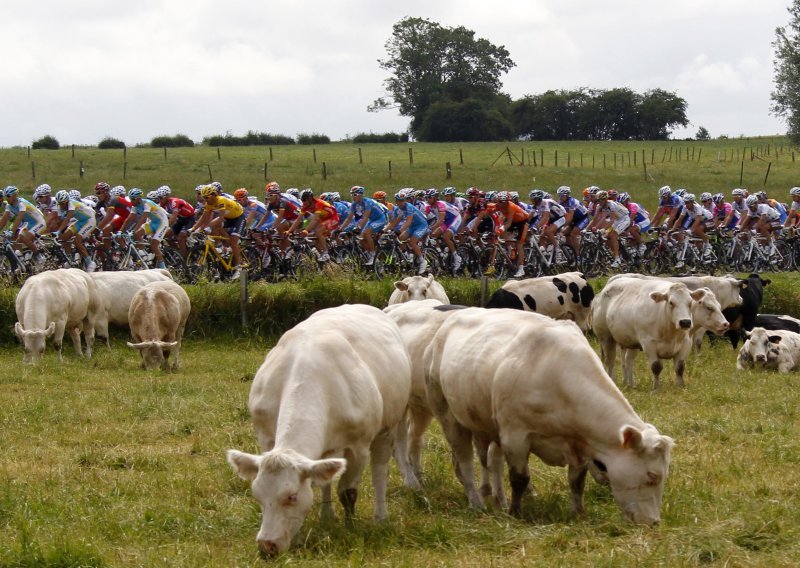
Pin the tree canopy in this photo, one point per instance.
(786, 96)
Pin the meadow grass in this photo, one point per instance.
(104, 464)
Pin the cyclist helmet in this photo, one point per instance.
(664, 191)
(751, 200)
(794, 191)
(563, 190)
(62, 196)
(118, 191)
(150, 194)
(449, 191)
(680, 192)
(536, 194)
(136, 193)
(306, 194)
(272, 188)
(41, 191)
(205, 193)
(73, 193)
(379, 195)
(705, 196)
(293, 191)
(10, 190)
(593, 189)
(738, 191)
(501, 196)
(474, 192)
(102, 186)
(623, 197)
(490, 195)
(400, 196)
(325, 196)
(513, 195)
(93, 198)
(613, 194)
(689, 197)
(217, 186)
(601, 195)
(335, 196)
(718, 198)
(762, 195)
(164, 191)
(240, 193)
(432, 192)
(356, 190)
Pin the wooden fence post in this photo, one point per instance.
(314, 155)
(270, 153)
(461, 156)
(411, 156)
(124, 153)
(165, 153)
(448, 171)
(556, 158)
(390, 169)
(324, 170)
(360, 157)
(80, 169)
(766, 176)
(568, 159)
(541, 157)
(741, 173)
(33, 170)
(210, 176)
(219, 155)
(73, 151)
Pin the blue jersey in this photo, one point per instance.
(151, 209)
(572, 204)
(29, 212)
(417, 217)
(377, 211)
(343, 209)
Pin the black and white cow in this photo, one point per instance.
(774, 322)
(565, 296)
(743, 318)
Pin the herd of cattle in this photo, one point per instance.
(377, 378)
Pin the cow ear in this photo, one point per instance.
(245, 465)
(747, 334)
(699, 294)
(765, 282)
(775, 339)
(323, 471)
(658, 297)
(631, 437)
(743, 284)
(400, 285)
(430, 279)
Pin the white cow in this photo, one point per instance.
(334, 386)
(776, 349)
(115, 290)
(654, 316)
(565, 296)
(157, 315)
(534, 385)
(51, 302)
(418, 288)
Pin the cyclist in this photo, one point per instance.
(412, 225)
(576, 218)
(515, 221)
(723, 210)
(737, 205)
(232, 222)
(763, 219)
(324, 220)
(27, 222)
(286, 209)
(181, 216)
(117, 209)
(699, 220)
(620, 221)
(443, 219)
(258, 218)
(147, 218)
(76, 218)
(793, 217)
(774, 203)
(552, 216)
(367, 217)
(42, 195)
(380, 197)
(670, 206)
(640, 220)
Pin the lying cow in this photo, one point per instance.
(51, 302)
(775, 322)
(566, 296)
(534, 385)
(157, 315)
(770, 349)
(418, 288)
(336, 397)
(743, 318)
(654, 316)
(115, 291)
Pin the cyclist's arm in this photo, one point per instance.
(201, 223)
(65, 222)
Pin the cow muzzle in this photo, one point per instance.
(685, 324)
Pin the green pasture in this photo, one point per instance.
(637, 167)
(103, 464)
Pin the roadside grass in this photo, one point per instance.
(104, 464)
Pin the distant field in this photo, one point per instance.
(715, 165)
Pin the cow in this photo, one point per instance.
(653, 316)
(566, 296)
(418, 288)
(115, 290)
(49, 303)
(531, 384)
(335, 386)
(157, 316)
(770, 349)
(777, 322)
(744, 317)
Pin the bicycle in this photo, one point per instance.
(394, 255)
(205, 260)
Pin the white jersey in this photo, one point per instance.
(764, 210)
(697, 211)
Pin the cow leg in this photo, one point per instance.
(420, 419)
(608, 349)
(680, 362)
(326, 513)
(495, 459)
(482, 449)
(628, 362)
(347, 489)
(577, 482)
(176, 356)
(697, 339)
(516, 450)
(88, 335)
(401, 454)
(651, 352)
(101, 331)
(380, 454)
(75, 335)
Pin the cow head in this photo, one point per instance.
(636, 471)
(154, 353)
(415, 287)
(282, 484)
(34, 341)
(678, 305)
(707, 312)
(761, 346)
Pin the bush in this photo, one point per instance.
(177, 141)
(109, 143)
(385, 138)
(249, 139)
(46, 143)
(313, 139)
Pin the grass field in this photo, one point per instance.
(107, 465)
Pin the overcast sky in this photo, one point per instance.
(86, 69)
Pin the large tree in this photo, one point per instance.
(431, 64)
(786, 96)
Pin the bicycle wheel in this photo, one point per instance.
(200, 267)
(173, 260)
(252, 260)
(591, 262)
(564, 260)
(498, 268)
(431, 255)
(784, 256)
(9, 273)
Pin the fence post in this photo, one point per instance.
(484, 290)
(314, 154)
(33, 170)
(534, 158)
(461, 156)
(741, 173)
(568, 159)
(219, 155)
(448, 171)
(766, 176)
(324, 170)
(165, 153)
(390, 169)
(360, 157)
(411, 156)
(73, 151)
(29, 151)
(124, 153)
(699, 153)
(522, 153)
(80, 170)
(541, 157)
(556, 158)
(243, 297)
(210, 176)
(270, 153)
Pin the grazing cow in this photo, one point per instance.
(418, 288)
(566, 296)
(334, 386)
(157, 315)
(51, 302)
(771, 349)
(531, 384)
(115, 291)
(418, 322)
(776, 322)
(653, 316)
(744, 317)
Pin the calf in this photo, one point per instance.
(770, 349)
(566, 296)
(335, 386)
(743, 318)
(158, 314)
(418, 288)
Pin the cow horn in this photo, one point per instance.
(165, 344)
(141, 345)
